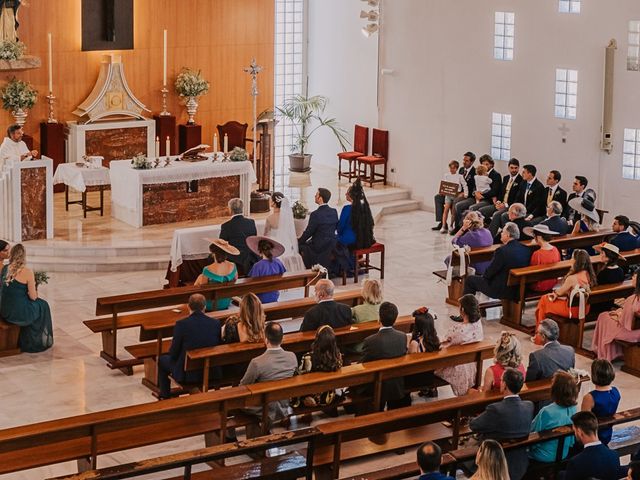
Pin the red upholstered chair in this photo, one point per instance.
(360, 147)
(379, 156)
(236, 134)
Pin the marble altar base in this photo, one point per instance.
(175, 202)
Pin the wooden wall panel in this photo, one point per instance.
(219, 37)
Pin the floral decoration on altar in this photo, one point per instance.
(12, 50)
(140, 162)
(238, 154)
(17, 97)
(190, 83)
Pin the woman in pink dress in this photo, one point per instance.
(617, 325)
(467, 330)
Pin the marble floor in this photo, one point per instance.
(71, 379)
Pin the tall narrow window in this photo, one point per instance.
(631, 154)
(503, 37)
(569, 6)
(633, 53)
(290, 73)
(566, 93)
(501, 136)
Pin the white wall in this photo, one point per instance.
(342, 65)
(445, 85)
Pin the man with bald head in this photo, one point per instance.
(327, 311)
(429, 459)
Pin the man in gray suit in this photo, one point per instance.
(274, 364)
(388, 343)
(508, 419)
(553, 356)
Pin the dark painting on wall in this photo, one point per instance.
(107, 25)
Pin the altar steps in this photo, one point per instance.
(152, 251)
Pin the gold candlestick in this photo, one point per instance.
(50, 98)
(164, 112)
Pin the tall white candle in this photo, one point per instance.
(168, 147)
(164, 60)
(50, 65)
(157, 147)
(215, 142)
(226, 143)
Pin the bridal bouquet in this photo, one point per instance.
(42, 278)
(299, 210)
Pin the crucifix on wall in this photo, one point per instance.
(107, 25)
(564, 130)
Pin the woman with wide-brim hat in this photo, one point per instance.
(544, 255)
(269, 264)
(589, 218)
(220, 271)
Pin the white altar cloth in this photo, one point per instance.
(190, 243)
(127, 182)
(79, 178)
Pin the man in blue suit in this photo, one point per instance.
(196, 331)
(625, 240)
(596, 460)
(319, 238)
(512, 254)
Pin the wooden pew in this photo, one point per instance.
(85, 437)
(298, 342)
(9, 334)
(521, 277)
(572, 329)
(349, 439)
(160, 328)
(558, 433)
(483, 254)
(374, 372)
(292, 465)
(114, 306)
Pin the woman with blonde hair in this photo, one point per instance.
(248, 325)
(372, 296)
(491, 462)
(21, 306)
(506, 354)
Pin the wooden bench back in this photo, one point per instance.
(175, 296)
(298, 342)
(113, 430)
(273, 311)
(578, 240)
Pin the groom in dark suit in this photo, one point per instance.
(319, 238)
(236, 231)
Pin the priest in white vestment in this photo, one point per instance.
(13, 147)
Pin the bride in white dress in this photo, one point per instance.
(280, 226)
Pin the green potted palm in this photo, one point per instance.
(306, 114)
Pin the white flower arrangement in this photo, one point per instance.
(140, 162)
(18, 94)
(11, 50)
(238, 154)
(190, 83)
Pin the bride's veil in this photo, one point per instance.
(287, 227)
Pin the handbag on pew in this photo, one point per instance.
(464, 268)
(324, 399)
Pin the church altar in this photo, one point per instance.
(181, 191)
(26, 200)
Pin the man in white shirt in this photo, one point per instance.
(13, 147)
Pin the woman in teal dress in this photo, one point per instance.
(21, 306)
(220, 271)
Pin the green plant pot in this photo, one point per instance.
(300, 163)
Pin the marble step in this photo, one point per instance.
(389, 208)
(75, 250)
(99, 264)
(387, 195)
